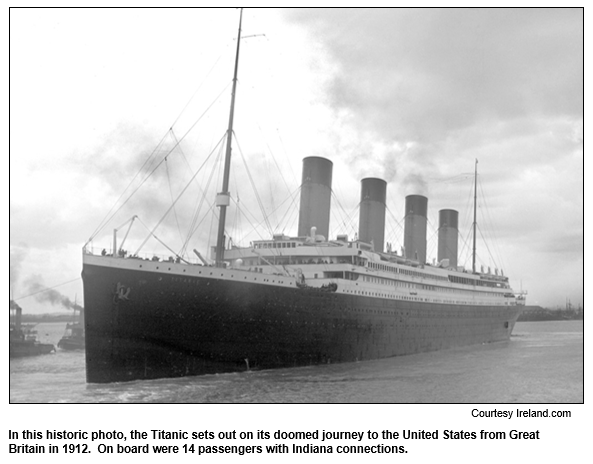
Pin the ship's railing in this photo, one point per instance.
(98, 251)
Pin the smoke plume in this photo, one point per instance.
(49, 295)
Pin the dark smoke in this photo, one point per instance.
(416, 183)
(49, 295)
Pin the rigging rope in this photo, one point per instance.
(291, 208)
(178, 197)
(259, 202)
(108, 217)
(200, 86)
(158, 239)
(171, 194)
(401, 228)
(345, 217)
(490, 226)
(45, 289)
(193, 226)
(488, 248)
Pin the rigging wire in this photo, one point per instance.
(467, 219)
(45, 289)
(234, 225)
(178, 197)
(290, 211)
(393, 232)
(261, 206)
(347, 220)
(274, 158)
(294, 177)
(203, 198)
(151, 232)
(254, 224)
(433, 240)
(487, 247)
(466, 248)
(172, 200)
(108, 217)
(492, 230)
(259, 224)
(201, 84)
(484, 215)
(280, 171)
(213, 216)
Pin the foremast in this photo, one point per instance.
(475, 216)
(223, 198)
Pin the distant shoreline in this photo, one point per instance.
(537, 313)
(48, 317)
(530, 313)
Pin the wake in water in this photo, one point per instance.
(543, 363)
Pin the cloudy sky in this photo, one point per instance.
(99, 98)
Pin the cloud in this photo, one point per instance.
(430, 76)
(18, 254)
(425, 72)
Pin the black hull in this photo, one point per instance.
(146, 325)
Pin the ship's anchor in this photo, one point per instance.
(122, 292)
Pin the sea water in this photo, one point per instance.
(541, 363)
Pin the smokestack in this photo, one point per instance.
(448, 233)
(371, 223)
(415, 228)
(315, 196)
(16, 320)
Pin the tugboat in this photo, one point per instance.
(24, 342)
(73, 338)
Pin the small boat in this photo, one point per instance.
(73, 338)
(23, 340)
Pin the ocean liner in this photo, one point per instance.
(291, 300)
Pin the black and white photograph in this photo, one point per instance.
(281, 206)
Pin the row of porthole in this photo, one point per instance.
(428, 300)
(397, 283)
(292, 322)
(401, 321)
(379, 311)
(381, 295)
(232, 276)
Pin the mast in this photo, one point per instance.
(223, 198)
(475, 211)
